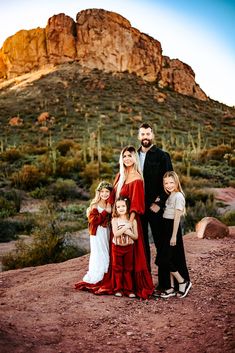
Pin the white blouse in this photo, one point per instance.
(175, 201)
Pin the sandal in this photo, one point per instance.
(167, 294)
(186, 290)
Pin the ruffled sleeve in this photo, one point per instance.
(95, 218)
(135, 192)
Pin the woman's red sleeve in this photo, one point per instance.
(137, 196)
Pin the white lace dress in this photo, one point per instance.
(99, 254)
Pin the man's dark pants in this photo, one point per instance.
(155, 221)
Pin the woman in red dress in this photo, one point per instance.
(129, 183)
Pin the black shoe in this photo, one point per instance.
(166, 294)
(187, 288)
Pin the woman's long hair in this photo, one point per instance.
(123, 170)
(96, 199)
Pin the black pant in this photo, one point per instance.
(171, 258)
(155, 221)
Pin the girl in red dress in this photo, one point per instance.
(124, 235)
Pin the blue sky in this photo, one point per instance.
(199, 33)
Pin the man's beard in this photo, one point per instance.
(146, 143)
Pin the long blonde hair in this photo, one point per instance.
(96, 199)
(173, 175)
(123, 169)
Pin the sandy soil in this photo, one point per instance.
(42, 313)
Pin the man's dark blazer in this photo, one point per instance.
(156, 163)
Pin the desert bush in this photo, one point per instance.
(228, 218)
(177, 155)
(13, 196)
(75, 213)
(64, 146)
(35, 149)
(65, 166)
(194, 195)
(12, 155)
(39, 193)
(10, 229)
(64, 189)
(48, 245)
(91, 172)
(28, 177)
(10, 202)
(7, 208)
(216, 153)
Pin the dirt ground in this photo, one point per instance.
(41, 312)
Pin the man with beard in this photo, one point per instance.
(154, 163)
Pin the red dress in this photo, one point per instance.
(143, 284)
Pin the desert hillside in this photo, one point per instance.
(42, 313)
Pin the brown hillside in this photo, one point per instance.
(42, 313)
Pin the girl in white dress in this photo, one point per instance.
(98, 214)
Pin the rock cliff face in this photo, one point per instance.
(98, 39)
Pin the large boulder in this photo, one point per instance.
(210, 227)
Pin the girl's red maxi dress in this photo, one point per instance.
(143, 284)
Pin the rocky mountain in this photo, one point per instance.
(98, 39)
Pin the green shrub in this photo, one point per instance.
(216, 153)
(11, 155)
(39, 193)
(195, 195)
(48, 244)
(228, 218)
(64, 146)
(91, 172)
(10, 229)
(66, 165)
(64, 189)
(7, 208)
(15, 197)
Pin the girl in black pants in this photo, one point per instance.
(171, 257)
